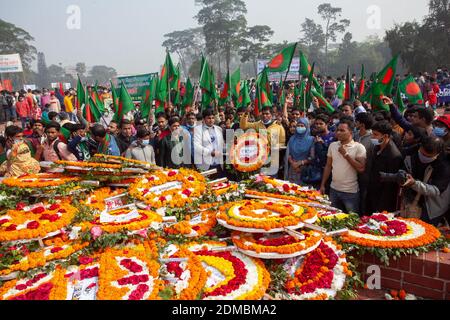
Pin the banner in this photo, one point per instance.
(444, 95)
(7, 85)
(10, 63)
(134, 83)
(29, 86)
(276, 76)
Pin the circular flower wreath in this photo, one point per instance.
(38, 222)
(319, 275)
(38, 181)
(183, 186)
(264, 216)
(128, 274)
(385, 231)
(189, 277)
(120, 221)
(231, 275)
(276, 246)
(197, 226)
(43, 286)
(244, 160)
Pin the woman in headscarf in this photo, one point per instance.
(300, 151)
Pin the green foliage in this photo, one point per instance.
(337, 224)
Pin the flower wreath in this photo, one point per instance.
(279, 246)
(319, 275)
(263, 215)
(37, 222)
(250, 162)
(102, 158)
(383, 230)
(96, 200)
(38, 181)
(128, 274)
(82, 280)
(198, 226)
(143, 220)
(190, 275)
(55, 249)
(43, 286)
(183, 186)
(232, 275)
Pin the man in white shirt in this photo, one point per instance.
(346, 158)
(208, 144)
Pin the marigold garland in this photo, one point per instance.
(96, 200)
(145, 220)
(280, 244)
(84, 164)
(255, 163)
(196, 227)
(41, 180)
(35, 223)
(193, 185)
(102, 158)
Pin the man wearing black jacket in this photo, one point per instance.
(125, 138)
(385, 157)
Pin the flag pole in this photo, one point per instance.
(289, 67)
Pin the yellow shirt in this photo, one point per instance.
(68, 104)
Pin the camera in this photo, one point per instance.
(400, 177)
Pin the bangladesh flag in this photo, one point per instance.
(81, 95)
(125, 104)
(322, 101)
(383, 85)
(340, 91)
(362, 83)
(244, 97)
(213, 90)
(282, 61)
(399, 100)
(349, 90)
(98, 102)
(236, 83)
(263, 98)
(299, 93)
(305, 67)
(91, 112)
(114, 97)
(188, 98)
(411, 90)
(167, 80)
(148, 96)
(225, 94)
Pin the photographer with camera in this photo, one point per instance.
(385, 157)
(425, 187)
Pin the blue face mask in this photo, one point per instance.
(376, 142)
(425, 159)
(301, 130)
(440, 132)
(145, 142)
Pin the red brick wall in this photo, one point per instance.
(427, 275)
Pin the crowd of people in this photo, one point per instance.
(366, 160)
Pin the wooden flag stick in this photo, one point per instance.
(223, 180)
(116, 197)
(295, 234)
(209, 172)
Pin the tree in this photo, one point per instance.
(313, 39)
(223, 24)
(56, 73)
(80, 67)
(187, 44)
(102, 74)
(43, 78)
(333, 27)
(253, 44)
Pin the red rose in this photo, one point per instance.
(171, 174)
(54, 206)
(38, 210)
(191, 179)
(85, 260)
(11, 227)
(21, 287)
(62, 211)
(162, 199)
(33, 225)
(187, 192)
(56, 249)
(286, 188)
(94, 201)
(20, 206)
(3, 221)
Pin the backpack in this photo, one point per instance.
(56, 149)
(9, 101)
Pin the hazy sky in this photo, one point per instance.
(127, 35)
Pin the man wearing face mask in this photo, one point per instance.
(442, 130)
(385, 157)
(141, 149)
(426, 191)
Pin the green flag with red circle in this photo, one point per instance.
(282, 61)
